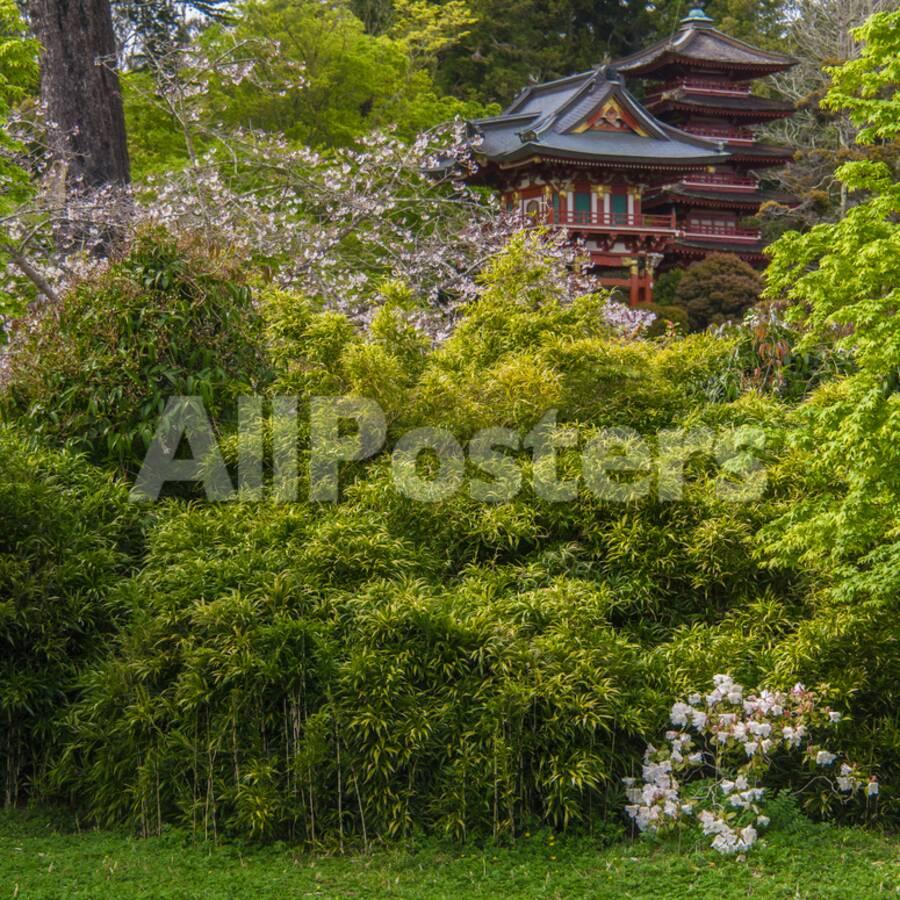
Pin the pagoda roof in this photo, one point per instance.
(760, 153)
(697, 44)
(695, 248)
(589, 117)
(746, 107)
(690, 196)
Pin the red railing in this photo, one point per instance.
(724, 230)
(736, 135)
(610, 220)
(700, 86)
(711, 85)
(723, 179)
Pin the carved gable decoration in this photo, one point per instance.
(610, 116)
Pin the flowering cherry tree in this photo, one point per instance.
(335, 225)
(711, 768)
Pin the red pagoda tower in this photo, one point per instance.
(700, 80)
(642, 185)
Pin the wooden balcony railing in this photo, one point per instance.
(601, 221)
(609, 221)
(713, 86)
(734, 135)
(724, 231)
(722, 179)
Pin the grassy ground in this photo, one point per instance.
(39, 857)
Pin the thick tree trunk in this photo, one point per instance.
(80, 88)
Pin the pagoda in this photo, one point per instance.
(581, 153)
(642, 185)
(700, 80)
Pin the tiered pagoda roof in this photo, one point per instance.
(702, 82)
(749, 202)
(697, 44)
(643, 184)
(588, 119)
(759, 153)
(750, 108)
(693, 249)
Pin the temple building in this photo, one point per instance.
(644, 185)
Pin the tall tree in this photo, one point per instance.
(518, 42)
(80, 89)
(820, 35)
(153, 28)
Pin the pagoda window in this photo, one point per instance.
(582, 206)
(619, 209)
(712, 224)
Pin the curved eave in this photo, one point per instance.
(750, 201)
(724, 112)
(531, 155)
(671, 60)
(775, 156)
(699, 249)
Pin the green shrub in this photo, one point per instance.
(295, 674)
(69, 535)
(718, 289)
(385, 665)
(667, 316)
(665, 285)
(96, 370)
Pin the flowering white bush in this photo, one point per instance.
(335, 225)
(711, 767)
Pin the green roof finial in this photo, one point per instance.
(697, 16)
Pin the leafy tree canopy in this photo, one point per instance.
(525, 41)
(717, 289)
(867, 86)
(843, 280)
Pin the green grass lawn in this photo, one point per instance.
(43, 857)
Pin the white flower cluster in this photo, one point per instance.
(728, 738)
(727, 839)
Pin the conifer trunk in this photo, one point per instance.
(80, 89)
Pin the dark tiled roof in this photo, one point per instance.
(698, 42)
(749, 105)
(759, 151)
(675, 192)
(542, 119)
(754, 249)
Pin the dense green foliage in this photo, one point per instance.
(665, 285)
(844, 459)
(383, 666)
(42, 855)
(321, 80)
(353, 81)
(717, 290)
(385, 663)
(69, 535)
(527, 41)
(867, 86)
(96, 370)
